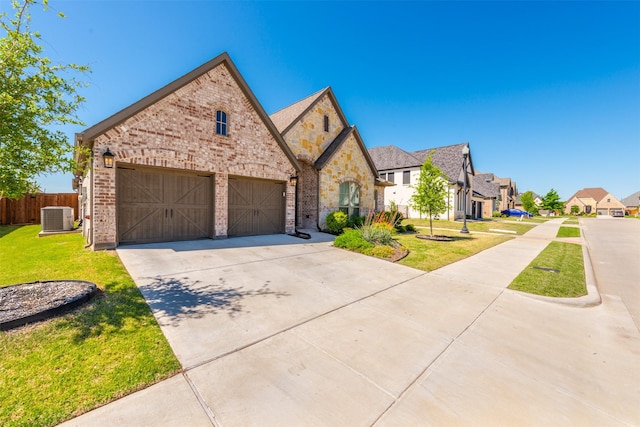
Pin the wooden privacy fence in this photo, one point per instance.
(26, 210)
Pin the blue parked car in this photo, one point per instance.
(516, 212)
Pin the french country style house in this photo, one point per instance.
(200, 158)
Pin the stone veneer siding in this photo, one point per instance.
(307, 139)
(178, 132)
(347, 164)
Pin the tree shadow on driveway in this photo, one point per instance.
(173, 299)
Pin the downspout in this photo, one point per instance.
(318, 200)
(91, 194)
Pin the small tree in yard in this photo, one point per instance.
(528, 203)
(551, 201)
(35, 94)
(430, 194)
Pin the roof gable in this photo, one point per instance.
(88, 135)
(596, 194)
(337, 143)
(287, 117)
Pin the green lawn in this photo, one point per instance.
(569, 281)
(483, 226)
(429, 255)
(60, 368)
(568, 232)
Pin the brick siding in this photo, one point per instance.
(178, 132)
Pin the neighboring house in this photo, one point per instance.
(594, 200)
(632, 203)
(508, 193)
(486, 194)
(198, 158)
(403, 169)
(337, 172)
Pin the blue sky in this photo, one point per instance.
(547, 93)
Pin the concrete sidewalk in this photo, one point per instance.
(308, 334)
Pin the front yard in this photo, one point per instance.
(56, 369)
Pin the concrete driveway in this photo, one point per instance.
(278, 331)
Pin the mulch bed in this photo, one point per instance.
(398, 254)
(32, 302)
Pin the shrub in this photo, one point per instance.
(496, 214)
(352, 240)
(378, 233)
(410, 227)
(336, 222)
(382, 251)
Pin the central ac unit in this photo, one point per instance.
(56, 218)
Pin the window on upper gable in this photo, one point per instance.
(383, 175)
(326, 123)
(221, 123)
(390, 177)
(406, 177)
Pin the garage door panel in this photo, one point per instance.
(190, 223)
(140, 224)
(159, 205)
(255, 207)
(137, 187)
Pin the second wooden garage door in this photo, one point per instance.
(160, 206)
(256, 207)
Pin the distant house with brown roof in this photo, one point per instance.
(403, 169)
(594, 200)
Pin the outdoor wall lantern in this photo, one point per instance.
(293, 179)
(108, 159)
(465, 155)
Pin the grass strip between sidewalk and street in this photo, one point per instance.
(56, 369)
(568, 232)
(558, 271)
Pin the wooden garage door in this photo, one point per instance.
(255, 207)
(160, 206)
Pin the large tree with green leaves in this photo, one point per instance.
(528, 202)
(551, 201)
(36, 95)
(430, 195)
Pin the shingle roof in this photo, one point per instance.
(449, 159)
(392, 157)
(632, 200)
(597, 193)
(483, 185)
(286, 116)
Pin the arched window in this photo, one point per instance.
(349, 202)
(221, 123)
